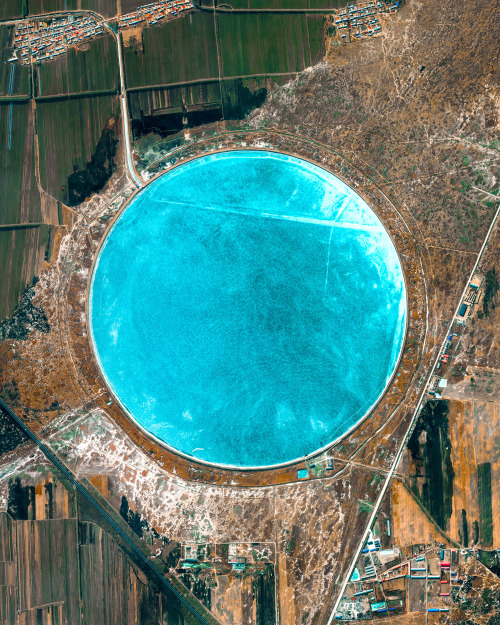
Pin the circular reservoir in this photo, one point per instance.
(247, 308)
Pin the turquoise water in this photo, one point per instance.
(247, 308)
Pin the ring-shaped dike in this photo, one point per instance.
(247, 308)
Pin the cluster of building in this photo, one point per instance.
(45, 40)
(151, 14)
(472, 298)
(358, 21)
(387, 582)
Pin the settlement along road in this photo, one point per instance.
(416, 414)
(92, 501)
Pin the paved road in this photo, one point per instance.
(90, 499)
(123, 94)
(416, 414)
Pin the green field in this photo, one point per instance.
(263, 43)
(106, 8)
(69, 132)
(95, 69)
(21, 249)
(20, 82)
(315, 27)
(485, 509)
(182, 50)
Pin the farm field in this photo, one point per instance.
(14, 78)
(11, 8)
(475, 442)
(288, 4)
(80, 71)
(173, 99)
(106, 8)
(180, 51)
(37, 7)
(22, 254)
(72, 145)
(263, 44)
(19, 197)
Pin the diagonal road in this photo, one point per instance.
(164, 583)
(410, 428)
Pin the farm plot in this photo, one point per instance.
(182, 50)
(474, 443)
(315, 27)
(22, 254)
(19, 197)
(263, 44)
(80, 71)
(165, 111)
(48, 568)
(74, 138)
(14, 78)
(173, 99)
(38, 7)
(106, 8)
(289, 4)
(11, 8)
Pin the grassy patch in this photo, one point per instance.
(315, 26)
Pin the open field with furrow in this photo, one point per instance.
(19, 197)
(70, 132)
(179, 51)
(14, 78)
(87, 70)
(23, 251)
(37, 7)
(11, 9)
(263, 43)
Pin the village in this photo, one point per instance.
(151, 14)
(361, 20)
(419, 578)
(469, 307)
(36, 40)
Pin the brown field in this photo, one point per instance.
(475, 436)
(48, 568)
(410, 524)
